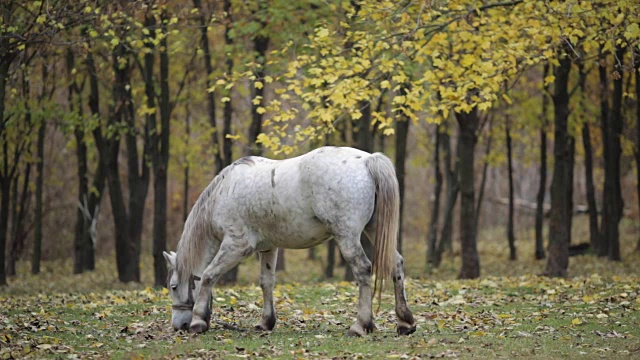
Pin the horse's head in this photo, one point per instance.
(182, 294)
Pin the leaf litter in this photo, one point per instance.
(502, 317)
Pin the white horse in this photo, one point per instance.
(260, 205)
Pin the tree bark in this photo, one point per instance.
(572, 161)
(468, 124)
(100, 178)
(4, 217)
(331, 259)
(19, 199)
(231, 276)
(260, 45)
(119, 209)
(558, 260)
(20, 202)
(432, 235)
(594, 232)
(81, 158)
(483, 181)
(603, 243)
(161, 162)
(138, 175)
(228, 108)
(613, 203)
(637, 152)
(511, 236)
(402, 133)
(37, 240)
(453, 188)
(6, 59)
(128, 220)
(542, 185)
(211, 104)
(187, 168)
(13, 206)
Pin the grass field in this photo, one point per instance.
(508, 313)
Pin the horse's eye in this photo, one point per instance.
(174, 287)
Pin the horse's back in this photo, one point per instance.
(302, 201)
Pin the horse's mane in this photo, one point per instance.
(197, 230)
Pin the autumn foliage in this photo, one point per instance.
(114, 115)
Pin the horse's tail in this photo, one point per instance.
(387, 218)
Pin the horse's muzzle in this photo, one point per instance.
(180, 319)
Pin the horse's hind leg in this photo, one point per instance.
(352, 251)
(267, 281)
(232, 251)
(406, 322)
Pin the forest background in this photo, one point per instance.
(508, 119)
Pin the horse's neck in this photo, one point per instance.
(197, 245)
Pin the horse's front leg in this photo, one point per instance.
(361, 267)
(406, 322)
(232, 251)
(268, 261)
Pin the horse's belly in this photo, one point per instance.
(293, 233)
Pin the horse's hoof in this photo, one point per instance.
(260, 327)
(357, 330)
(406, 330)
(198, 326)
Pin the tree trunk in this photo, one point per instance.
(637, 152)
(468, 123)
(331, 259)
(187, 168)
(118, 207)
(558, 260)
(228, 108)
(161, 163)
(260, 45)
(128, 222)
(100, 178)
(83, 190)
(81, 156)
(231, 277)
(91, 236)
(211, 104)
(11, 261)
(364, 136)
(20, 200)
(540, 252)
(511, 236)
(138, 182)
(402, 132)
(432, 235)
(37, 240)
(542, 185)
(4, 218)
(594, 233)
(483, 181)
(603, 243)
(453, 188)
(613, 203)
(5, 178)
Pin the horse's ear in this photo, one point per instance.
(171, 259)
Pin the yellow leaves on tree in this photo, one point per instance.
(452, 56)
